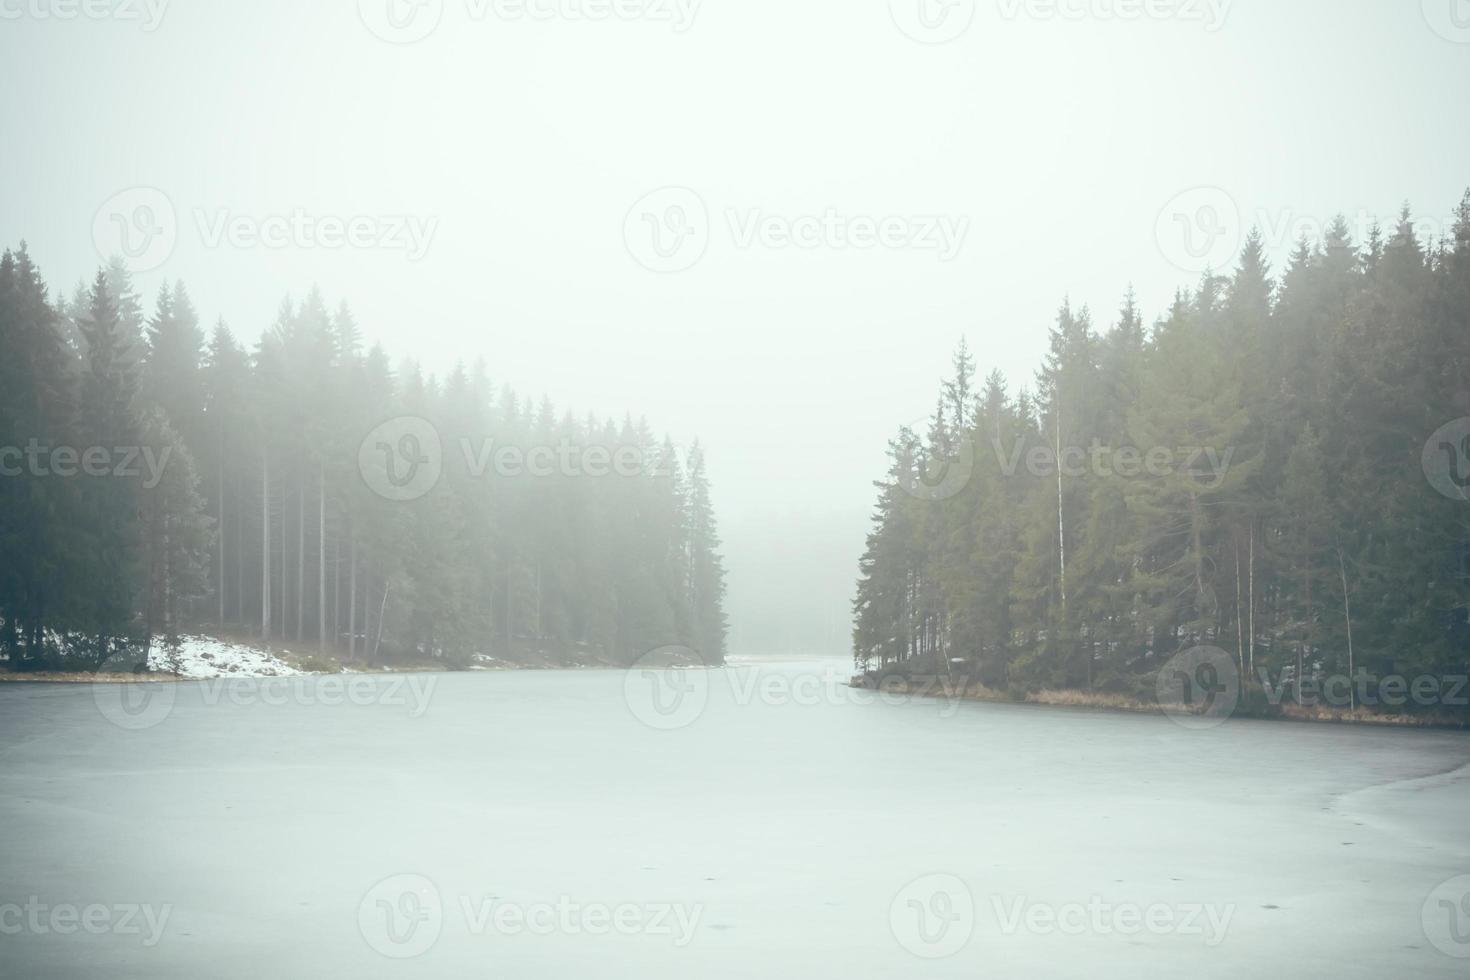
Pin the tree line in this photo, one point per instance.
(155, 481)
(1291, 512)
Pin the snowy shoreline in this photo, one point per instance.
(200, 657)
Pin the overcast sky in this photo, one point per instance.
(762, 222)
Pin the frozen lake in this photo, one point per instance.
(770, 823)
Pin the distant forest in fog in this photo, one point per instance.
(1313, 540)
(155, 482)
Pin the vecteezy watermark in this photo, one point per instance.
(1199, 230)
(1450, 19)
(39, 918)
(1446, 460)
(1364, 689)
(1199, 687)
(1203, 229)
(128, 696)
(669, 230)
(300, 228)
(945, 475)
(139, 224)
(147, 13)
(403, 916)
(1100, 917)
(834, 231)
(135, 701)
(933, 917)
(932, 21)
(940, 477)
(1205, 465)
(142, 225)
(403, 459)
(667, 690)
(410, 691)
(1210, 13)
(1446, 917)
(408, 21)
(42, 461)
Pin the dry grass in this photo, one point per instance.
(1362, 716)
(1120, 702)
(65, 677)
(1086, 699)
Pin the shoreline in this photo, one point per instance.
(165, 677)
(938, 687)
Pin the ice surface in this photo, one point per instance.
(795, 825)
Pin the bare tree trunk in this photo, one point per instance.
(1306, 638)
(1239, 617)
(300, 558)
(382, 611)
(265, 549)
(1347, 611)
(220, 585)
(1061, 521)
(1251, 587)
(352, 597)
(337, 590)
(321, 559)
(240, 566)
(285, 579)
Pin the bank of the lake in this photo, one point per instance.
(1254, 705)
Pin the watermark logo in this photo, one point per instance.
(148, 13)
(670, 230)
(402, 459)
(139, 224)
(1200, 230)
(1099, 917)
(1446, 917)
(932, 21)
(401, 21)
(1446, 460)
(834, 231)
(667, 230)
(142, 225)
(1450, 19)
(941, 477)
(1199, 688)
(675, 921)
(677, 13)
(129, 697)
(933, 917)
(300, 228)
(1210, 13)
(662, 695)
(1364, 689)
(40, 918)
(1205, 465)
(410, 691)
(401, 916)
(44, 461)
(409, 21)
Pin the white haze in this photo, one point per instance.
(1059, 140)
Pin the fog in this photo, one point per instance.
(501, 157)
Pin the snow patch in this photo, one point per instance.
(205, 656)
